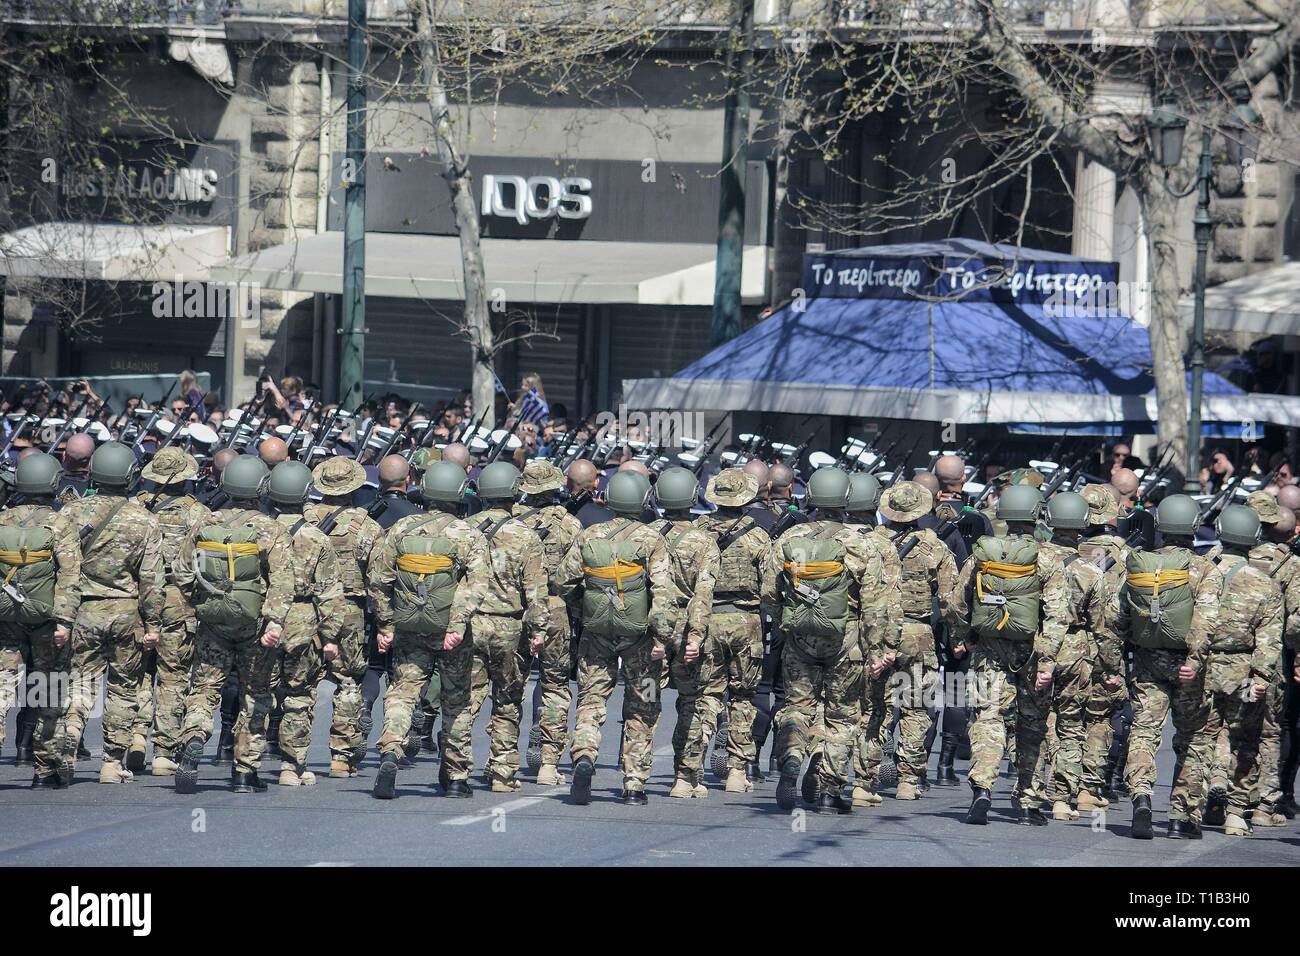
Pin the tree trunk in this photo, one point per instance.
(477, 321)
(1168, 336)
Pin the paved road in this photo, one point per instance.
(338, 823)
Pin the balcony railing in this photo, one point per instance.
(136, 13)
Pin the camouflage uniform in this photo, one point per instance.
(320, 615)
(1089, 653)
(927, 573)
(733, 665)
(694, 559)
(1156, 691)
(1245, 647)
(225, 651)
(1002, 677)
(556, 529)
(179, 516)
(414, 654)
(1104, 702)
(353, 537)
(599, 656)
(832, 678)
(122, 580)
(1277, 561)
(513, 606)
(33, 647)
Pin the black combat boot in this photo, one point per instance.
(226, 744)
(48, 782)
(944, 777)
(635, 798)
(580, 788)
(1030, 817)
(246, 781)
(26, 731)
(787, 787)
(1287, 806)
(386, 779)
(718, 760)
(187, 766)
(1216, 808)
(1141, 819)
(1184, 830)
(534, 754)
(458, 789)
(833, 802)
(811, 788)
(978, 814)
(753, 774)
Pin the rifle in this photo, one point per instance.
(1221, 500)
(15, 435)
(897, 476)
(881, 457)
(251, 441)
(468, 428)
(67, 424)
(572, 455)
(157, 413)
(1051, 455)
(704, 448)
(784, 522)
(494, 451)
(321, 433)
(426, 439)
(1059, 478)
(1133, 537)
(397, 433)
(293, 435)
(794, 456)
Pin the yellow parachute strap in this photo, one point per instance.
(1001, 569)
(231, 551)
(619, 570)
(424, 564)
(22, 559)
(1153, 581)
(813, 570)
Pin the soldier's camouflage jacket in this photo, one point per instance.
(125, 560)
(66, 548)
(179, 517)
(316, 581)
(740, 571)
(1206, 582)
(1280, 563)
(471, 553)
(353, 538)
(556, 529)
(659, 571)
(1247, 639)
(695, 563)
(1089, 633)
(517, 583)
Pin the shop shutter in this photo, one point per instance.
(655, 341)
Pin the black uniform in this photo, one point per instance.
(396, 507)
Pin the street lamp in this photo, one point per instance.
(1165, 131)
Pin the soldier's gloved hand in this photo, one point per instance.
(1187, 673)
(451, 640)
(1043, 680)
(385, 640)
(692, 652)
(271, 636)
(536, 643)
(150, 640)
(61, 635)
(330, 652)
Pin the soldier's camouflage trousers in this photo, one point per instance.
(411, 663)
(160, 700)
(1076, 734)
(221, 654)
(1270, 744)
(598, 659)
(347, 671)
(1001, 682)
(911, 686)
(32, 649)
(105, 643)
(689, 734)
(299, 666)
(488, 659)
(872, 731)
(728, 678)
(1157, 693)
(1241, 722)
(556, 693)
(834, 687)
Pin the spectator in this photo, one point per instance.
(190, 391)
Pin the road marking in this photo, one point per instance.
(503, 808)
(331, 863)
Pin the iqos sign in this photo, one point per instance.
(536, 197)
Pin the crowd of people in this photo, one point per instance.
(217, 568)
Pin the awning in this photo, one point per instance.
(1264, 303)
(967, 331)
(526, 270)
(112, 252)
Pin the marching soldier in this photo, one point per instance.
(733, 663)
(695, 565)
(620, 574)
(512, 613)
(1012, 608)
(353, 535)
(1244, 650)
(1167, 614)
(556, 529)
(41, 560)
(239, 570)
(319, 624)
(120, 615)
(179, 516)
(826, 587)
(427, 577)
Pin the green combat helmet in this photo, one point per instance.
(1238, 525)
(244, 478)
(113, 465)
(864, 493)
(1019, 503)
(1178, 514)
(37, 475)
(1068, 511)
(289, 483)
(627, 492)
(499, 480)
(828, 488)
(676, 489)
(444, 481)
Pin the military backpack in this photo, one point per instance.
(615, 595)
(27, 563)
(428, 573)
(815, 589)
(229, 585)
(1158, 595)
(1007, 592)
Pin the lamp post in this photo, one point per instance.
(1166, 129)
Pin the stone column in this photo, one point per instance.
(1094, 211)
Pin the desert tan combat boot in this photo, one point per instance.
(291, 775)
(112, 771)
(1090, 801)
(1233, 825)
(683, 788)
(907, 791)
(135, 753)
(548, 775)
(1061, 811)
(1264, 818)
(340, 768)
(163, 765)
(862, 797)
(737, 782)
(505, 786)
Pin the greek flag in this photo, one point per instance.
(533, 408)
